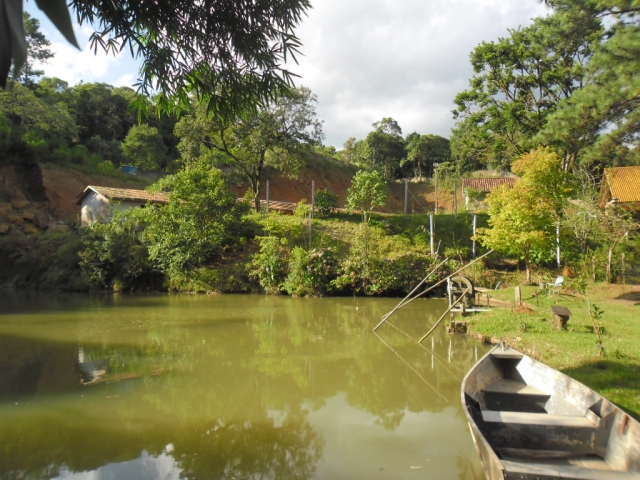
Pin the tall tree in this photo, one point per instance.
(425, 150)
(102, 110)
(38, 51)
(602, 121)
(383, 148)
(520, 80)
(144, 148)
(276, 136)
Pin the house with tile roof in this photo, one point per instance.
(482, 186)
(98, 203)
(621, 186)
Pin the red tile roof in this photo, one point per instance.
(124, 195)
(487, 184)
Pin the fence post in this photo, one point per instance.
(474, 236)
(431, 228)
(558, 244)
(455, 199)
(313, 203)
(267, 197)
(624, 269)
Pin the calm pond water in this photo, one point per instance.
(230, 387)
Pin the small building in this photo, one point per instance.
(482, 186)
(621, 186)
(97, 203)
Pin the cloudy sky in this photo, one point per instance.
(364, 59)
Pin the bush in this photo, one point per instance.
(269, 266)
(311, 272)
(326, 201)
(115, 254)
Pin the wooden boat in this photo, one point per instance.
(531, 422)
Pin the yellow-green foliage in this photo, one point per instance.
(523, 219)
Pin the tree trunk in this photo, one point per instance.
(610, 260)
(255, 189)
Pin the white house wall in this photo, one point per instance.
(97, 208)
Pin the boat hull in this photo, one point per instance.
(529, 421)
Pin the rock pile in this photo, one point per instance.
(21, 217)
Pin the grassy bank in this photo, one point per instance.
(616, 374)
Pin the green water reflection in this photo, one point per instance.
(229, 387)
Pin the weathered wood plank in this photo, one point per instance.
(513, 387)
(526, 418)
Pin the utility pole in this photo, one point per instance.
(406, 196)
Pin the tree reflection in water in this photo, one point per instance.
(228, 383)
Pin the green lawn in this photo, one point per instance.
(574, 351)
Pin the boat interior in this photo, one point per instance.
(541, 424)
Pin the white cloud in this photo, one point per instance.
(366, 60)
(73, 66)
(126, 80)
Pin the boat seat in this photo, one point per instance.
(539, 431)
(507, 353)
(527, 418)
(548, 471)
(505, 385)
(514, 396)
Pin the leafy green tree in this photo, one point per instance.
(368, 190)
(520, 80)
(143, 147)
(38, 51)
(602, 121)
(276, 135)
(523, 219)
(470, 149)
(53, 90)
(34, 117)
(102, 110)
(425, 150)
(383, 148)
(348, 153)
(202, 218)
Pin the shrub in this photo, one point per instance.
(269, 266)
(326, 201)
(311, 272)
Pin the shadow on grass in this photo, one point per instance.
(630, 296)
(619, 381)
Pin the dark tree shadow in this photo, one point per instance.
(609, 373)
(630, 296)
